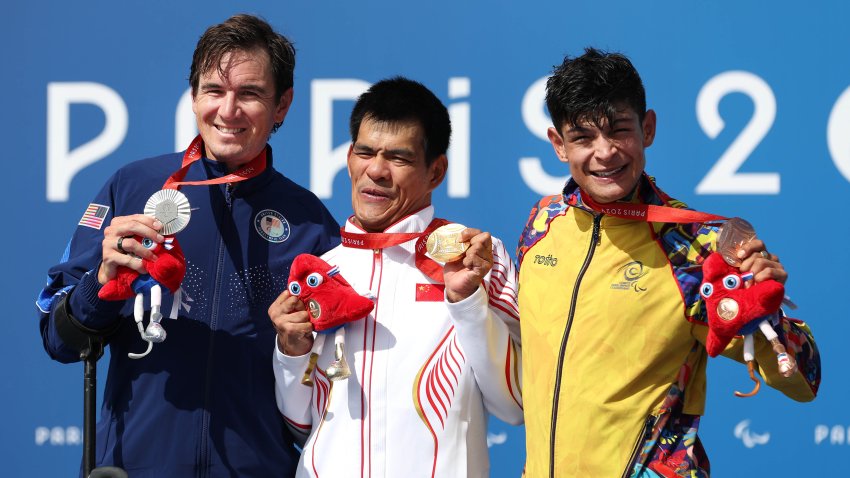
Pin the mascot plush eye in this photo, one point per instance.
(706, 290)
(148, 244)
(314, 279)
(294, 288)
(731, 282)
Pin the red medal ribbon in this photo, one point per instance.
(648, 212)
(376, 240)
(380, 240)
(195, 152)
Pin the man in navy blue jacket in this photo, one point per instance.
(202, 402)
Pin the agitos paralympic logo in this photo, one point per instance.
(630, 276)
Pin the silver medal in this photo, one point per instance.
(171, 208)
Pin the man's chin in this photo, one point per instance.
(608, 195)
(230, 154)
(370, 223)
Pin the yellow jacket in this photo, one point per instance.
(613, 332)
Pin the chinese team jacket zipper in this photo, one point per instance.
(594, 238)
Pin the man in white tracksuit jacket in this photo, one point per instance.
(441, 347)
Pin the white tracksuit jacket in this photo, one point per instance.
(424, 372)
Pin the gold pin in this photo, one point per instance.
(307, 379)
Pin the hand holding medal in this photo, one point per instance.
(162, 265)
(738, 305)
(445, 244)
(162, 260)
(469, 256)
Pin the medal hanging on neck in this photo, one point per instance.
(440, 241)
(735, 304)
(171, 208)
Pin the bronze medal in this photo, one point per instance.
(727, 309)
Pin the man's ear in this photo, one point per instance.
(648, 128)
(348, 159)
(557, 143)
(437, 171)
(283, 106)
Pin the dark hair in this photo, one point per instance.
(399, 99)
(244, 33)
(592, 86)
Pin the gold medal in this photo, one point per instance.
(444, 244)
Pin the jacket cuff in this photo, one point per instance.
(288, 373)
(89, 309)
(289, 361)
(472, 308)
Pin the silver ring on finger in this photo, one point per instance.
(120, 244)
(765, 254)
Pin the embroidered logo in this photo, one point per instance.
(549, 260)
(271, 226)
(630, 276)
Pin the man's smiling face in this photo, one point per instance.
(236, 107)
(389, 175)
(608, 159)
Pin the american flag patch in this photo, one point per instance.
(94, 216)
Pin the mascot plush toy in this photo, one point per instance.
(735, 306)
(168, 270)
(331, 303)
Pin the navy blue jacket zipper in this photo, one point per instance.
(203, 461)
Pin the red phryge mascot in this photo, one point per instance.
(168, 269)
(737, 307)
(331, 302)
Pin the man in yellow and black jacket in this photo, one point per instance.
(613, 326)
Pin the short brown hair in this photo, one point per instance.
(244, 33)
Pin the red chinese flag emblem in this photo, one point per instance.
(430, 292)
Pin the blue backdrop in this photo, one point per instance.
(753, 103)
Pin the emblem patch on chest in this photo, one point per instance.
(271, 225)
(629, 277)
(430, 292)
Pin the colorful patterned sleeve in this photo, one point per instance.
(538, 223)
(687, 246)
(799, 342)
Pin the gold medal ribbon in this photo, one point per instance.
(380, 240)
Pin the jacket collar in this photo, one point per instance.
(215, 169)
(647, 193)
(416, 222)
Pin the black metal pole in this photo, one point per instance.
(90, 358)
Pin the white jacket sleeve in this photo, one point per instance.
(293, 398)
(487, 325)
